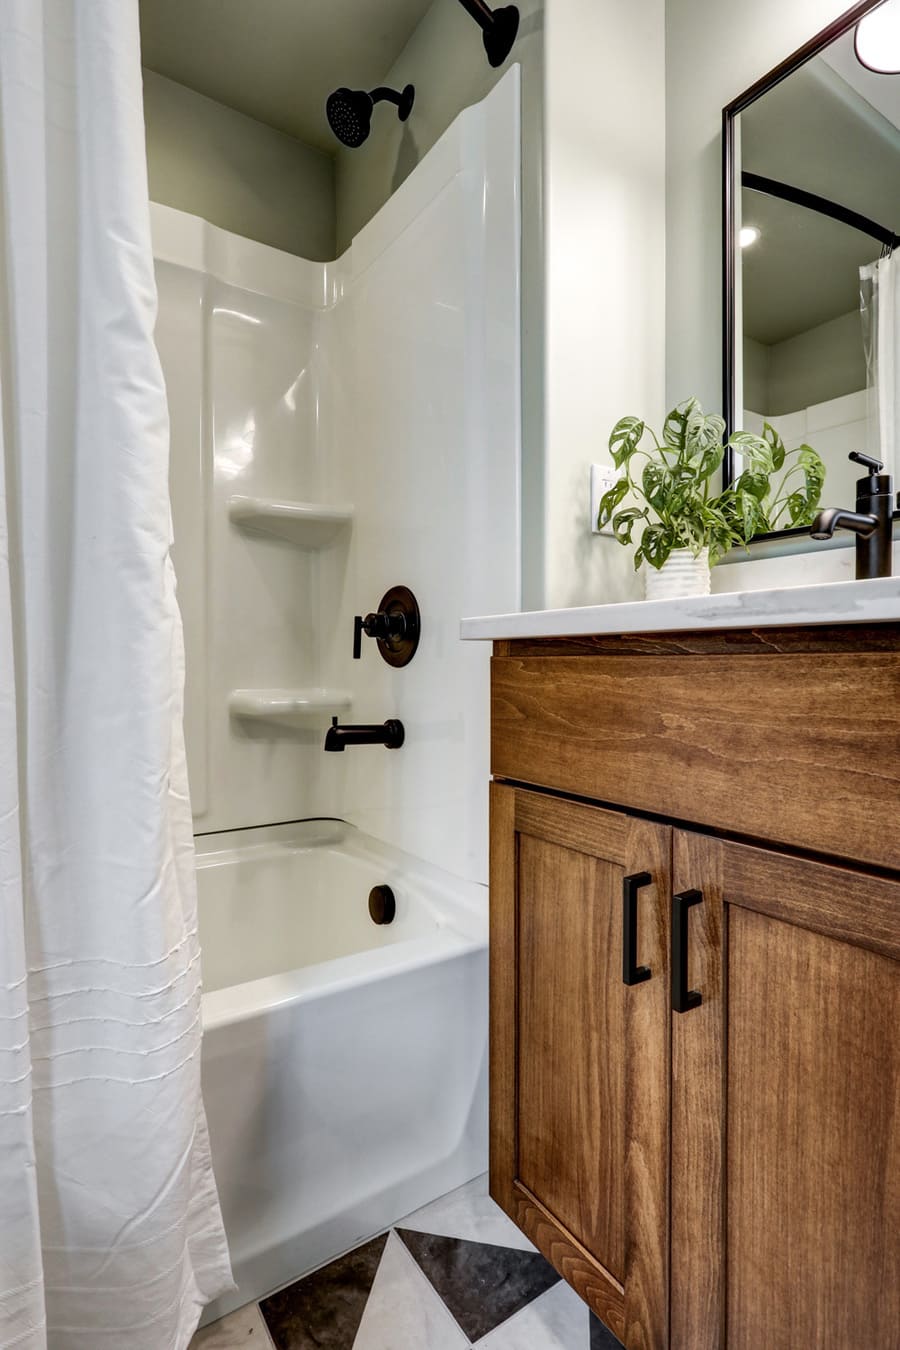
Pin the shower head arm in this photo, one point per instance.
(384, 95)
(480, 12)
(403, 99)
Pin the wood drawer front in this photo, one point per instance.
(799, 749)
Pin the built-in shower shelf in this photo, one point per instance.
(308, 524)
(287, 705)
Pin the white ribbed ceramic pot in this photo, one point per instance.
(681, 575)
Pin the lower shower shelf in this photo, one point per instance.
(307, 524)
(287, 705)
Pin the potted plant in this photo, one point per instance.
(686, 526)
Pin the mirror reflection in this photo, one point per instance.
(816, 211)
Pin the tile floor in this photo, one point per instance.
(455, 1274)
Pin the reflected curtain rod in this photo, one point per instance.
(755, 182)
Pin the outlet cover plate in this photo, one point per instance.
(603, 477)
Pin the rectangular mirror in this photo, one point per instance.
(812, 216)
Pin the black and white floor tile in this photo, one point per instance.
(454, 1275)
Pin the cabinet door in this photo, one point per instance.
(579, 1058)
(785, 1105)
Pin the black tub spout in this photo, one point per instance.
(389, 734)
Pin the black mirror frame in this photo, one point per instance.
(799, 58)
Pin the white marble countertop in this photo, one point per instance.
(830, 603)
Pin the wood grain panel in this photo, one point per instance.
(502, 956)
(855, 638)
(736, 743)
(697, 1300)
(570, 1038)
(579, 1061)
(599, 1289)
(646, 1108)
(587, 829)
(840, 902)
(813, 1176)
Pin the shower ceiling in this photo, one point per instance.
(277, 60)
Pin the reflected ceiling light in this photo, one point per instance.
(749, 235)
(878, 39)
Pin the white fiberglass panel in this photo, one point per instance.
(386, 383)
(423, 380)
(301, 899)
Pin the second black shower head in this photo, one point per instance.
(499, 28)
(349, 111)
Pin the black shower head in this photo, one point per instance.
(499, 28)
(349, 111)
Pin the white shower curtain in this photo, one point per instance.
(880, 298)
(110, 1231)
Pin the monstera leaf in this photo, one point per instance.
(673, 482)
(610, 500)
(624, 439)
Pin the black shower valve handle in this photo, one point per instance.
(380, 625)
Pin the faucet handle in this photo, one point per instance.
(873, 465)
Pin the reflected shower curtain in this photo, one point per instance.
(880, 303)
(110, 1231)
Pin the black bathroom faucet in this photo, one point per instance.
(389, 734)
(872, 522)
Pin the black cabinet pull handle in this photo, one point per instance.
(683, 999)
(632, 973)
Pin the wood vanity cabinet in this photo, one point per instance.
(695, 995)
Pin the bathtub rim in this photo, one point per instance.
(459, 906)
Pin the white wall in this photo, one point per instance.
(605, 270)
(715, 49)
(237, 173)
(390, 380)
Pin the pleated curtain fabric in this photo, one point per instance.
(111, 1236)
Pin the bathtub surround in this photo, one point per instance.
(110, 1231)
(453, 1275)
(291, 395)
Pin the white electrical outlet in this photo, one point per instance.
(603, 477)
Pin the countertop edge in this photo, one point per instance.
(838, 602)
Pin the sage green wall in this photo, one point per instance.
(237, 173)
(812, 367)
(820, 364)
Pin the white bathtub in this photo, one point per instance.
(344, 1063)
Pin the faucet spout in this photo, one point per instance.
(389, 734)
(872, 522)
(835, 518)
